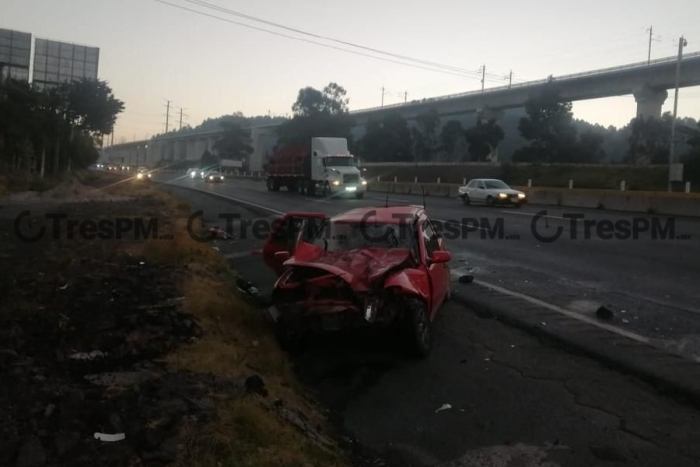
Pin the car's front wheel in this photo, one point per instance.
(489, 200)
(418, 329)
(466, 200)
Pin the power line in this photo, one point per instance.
(202, 13)
(331, 39)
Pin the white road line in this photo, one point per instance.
(563, 311)
(533, 215)
(318, 200)
(230, 198)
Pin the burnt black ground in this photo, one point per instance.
(81, 323)
(512, 397)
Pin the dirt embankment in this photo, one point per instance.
(133, 352)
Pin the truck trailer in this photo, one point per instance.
(325, 167)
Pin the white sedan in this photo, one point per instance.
(490, 191)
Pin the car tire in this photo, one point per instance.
(489, 200)
(466, 200)
(269, 184)
(419, 337)
(326, 190)
(518, 205)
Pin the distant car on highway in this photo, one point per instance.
(143, 174)
(213, 176)
(383, 268)
(490, 191)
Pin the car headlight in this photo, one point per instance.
(222, 177)
(336, 182)
(149, 175)
(139, 175)
(202, 174)
(502, 195)
(211, 177)
(521, 195)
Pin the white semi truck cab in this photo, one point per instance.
(334, 169)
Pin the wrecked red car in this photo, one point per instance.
(369, 267)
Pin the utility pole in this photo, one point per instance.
(650, 30)
(671, 155)
(382, 96)
(167, 116)
(405, 97)
(510, 79)
(483, 77)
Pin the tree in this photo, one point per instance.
(425, 135)
(208, 160)
(453, 140)
(590, 148)
(387, 140)
(483, 139)
(649, 140)
(318, 113)
(61, 124)
(549, 127)
(91, 106)
(235, 142)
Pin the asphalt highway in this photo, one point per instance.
(652, 285)
(489, 395)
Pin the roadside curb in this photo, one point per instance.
(669, 373)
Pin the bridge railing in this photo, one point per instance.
(561, 78)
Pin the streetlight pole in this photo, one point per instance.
(672, 152)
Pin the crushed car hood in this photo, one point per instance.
(359, 267)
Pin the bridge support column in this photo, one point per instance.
(650, 101)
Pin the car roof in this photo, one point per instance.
(486, 180)
(382, 215)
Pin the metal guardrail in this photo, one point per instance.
(600, 71)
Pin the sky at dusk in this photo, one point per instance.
(151, 51)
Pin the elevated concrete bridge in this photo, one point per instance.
(647, 82)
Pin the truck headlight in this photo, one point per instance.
(139, 175)
(222, 177)
(502, 195)
(364, 182)
(336, 182)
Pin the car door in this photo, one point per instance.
(478, 191)
(438, 274)
(285, 235)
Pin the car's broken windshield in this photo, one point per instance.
(344, 236)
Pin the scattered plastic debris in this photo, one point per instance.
(218, 232)
(87, 355)
(110, 438)
(215, 248)
(626, 321)
(623, 311)
(443, 407)
(604, 313)
(63, 287)
(543, 323)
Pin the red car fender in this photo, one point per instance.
(411, 282)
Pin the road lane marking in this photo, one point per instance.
(563, 311)
(533, 215)
(318, 200)
(231, 198)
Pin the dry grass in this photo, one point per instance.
(236, 343)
